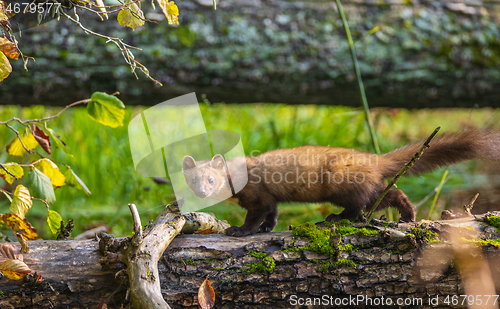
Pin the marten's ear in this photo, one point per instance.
(188, 163)
(217, 162)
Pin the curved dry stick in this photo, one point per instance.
(137, 239)
(142, 259)
(403, 170)
(201, 221)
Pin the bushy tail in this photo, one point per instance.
(444, 150)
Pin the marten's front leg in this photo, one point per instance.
(252, 221)
(271, 220)
(350, 212)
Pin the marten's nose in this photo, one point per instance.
(202, 192)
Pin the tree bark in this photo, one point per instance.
(425, 54)
(389, 264)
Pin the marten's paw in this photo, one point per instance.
(333, 217)
(237, 231)
(406, 220)
(265, 227)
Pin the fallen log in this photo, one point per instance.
(276, 270)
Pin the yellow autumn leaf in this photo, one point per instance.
(131, 16)
(21, 202)
(51, 170)
(14, 269)
(170, 10)
(5, 67)
(13, 221)
(14, 169)
(9, 48)
(15, 148)
(3, 13)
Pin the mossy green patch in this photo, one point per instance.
(343, 222)
(350, 230)
(493, 242)
(325, 267)
(259, 255)
(290, 249)
(347, 247)
(267, 263)
(345, 262)
(319, 239)
(422, 234)
(493, 221)
(198, 261)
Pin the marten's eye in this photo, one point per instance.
(194, 180)
(210, 180)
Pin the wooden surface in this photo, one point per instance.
(389, 264)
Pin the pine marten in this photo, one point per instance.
(345, 177)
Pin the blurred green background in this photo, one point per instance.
(102, 157)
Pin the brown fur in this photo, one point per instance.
(345, 177)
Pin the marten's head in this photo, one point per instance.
(204, 179)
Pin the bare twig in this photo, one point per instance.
(19, 137)
(468, 207)
(403, 170)
(123, 47)
(5, 191)
(7, 171)
(30, 151)
(33, 198)
(40, 200)
(136, 241)
(118, 7)
(24, 244)
(85, 101)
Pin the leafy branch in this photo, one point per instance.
(130, 15)
(45, 175)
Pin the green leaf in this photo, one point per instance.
(51, 170)
(8, 196)
(58, 141)
(5, 67)
(42, 185)
(73, 180)
(106, 109)
(54, 220)
(131, 16)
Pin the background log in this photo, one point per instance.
(388, 264)
(425, 54)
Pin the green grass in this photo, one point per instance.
(103, 161)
